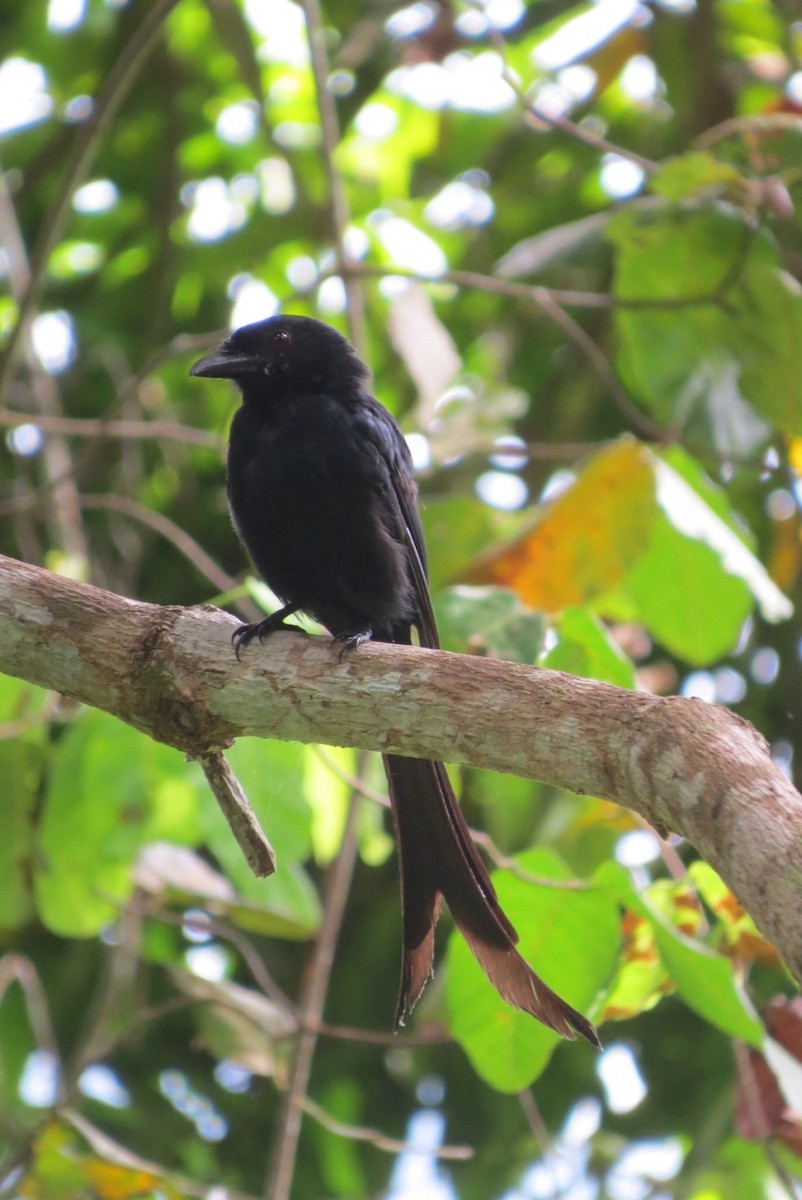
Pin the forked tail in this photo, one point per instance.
(437, 858)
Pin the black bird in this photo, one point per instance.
(322, 495)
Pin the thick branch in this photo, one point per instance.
(170, 672)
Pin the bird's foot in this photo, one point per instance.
(350, 641)
(245, 634)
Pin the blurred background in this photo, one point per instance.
(565, 238)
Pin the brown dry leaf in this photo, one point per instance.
(588, 537)
(761, 1109)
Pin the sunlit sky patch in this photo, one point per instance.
(417, 1172)
(420, 450)
(65, 15)
(25, 440)
(100, 1082)
(38, 1084)
(620, 1077)
(699, 685)
(277, 185)
(233, 1077)
(24, 98)
(281, 26)
(473, 83)
(578, 37)
(495, 15)
(408, 246)
(578, 80)
(341, 82)
(301, 272)
(637, 847)
(411, 21)
(620, 177)
(193, 1105)
(253, 301)
(376, 121)
(502, 490)
(296, 135)
(459, 205)
(510, 455)
(331, 296)
(78, 108)
(53, 340)
(656, 1160)
(356, 242)
(214, 212)
(99, 195)
(238, 123)
(208, 962)
(639, 78)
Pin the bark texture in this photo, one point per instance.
(684, 765)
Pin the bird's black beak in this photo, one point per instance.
(223, 363)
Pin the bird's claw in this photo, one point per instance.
(350, 641)
(244, 634)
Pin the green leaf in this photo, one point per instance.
(111, 791)
(696, 581)
(20, 771)
(456, 529)
(489, 620)
(739, 1170)
(705, 980)
(686, 174)
(685, 599)
(710, 332)
(570, 936)
(585, 648)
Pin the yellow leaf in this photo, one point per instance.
(111, 1182)
(588, 537)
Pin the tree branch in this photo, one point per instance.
(170, 672)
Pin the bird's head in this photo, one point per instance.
(284, 351)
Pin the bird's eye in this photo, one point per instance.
(281, 341)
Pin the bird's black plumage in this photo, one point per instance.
(322, 495)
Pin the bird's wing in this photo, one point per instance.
(393, 464)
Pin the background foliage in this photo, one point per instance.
(565, 238)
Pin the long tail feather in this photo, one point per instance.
(437, 858)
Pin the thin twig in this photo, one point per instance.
(111, 1151)
(226, 933)
(288, 1129)
(483, 283)
(598, 361)
(16, 968)
(242, 820)
(362, 1133)
(425, 1036)
(554, 121)
(168, 529)
(87, 427)
(535, 1121)
(769, 123)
